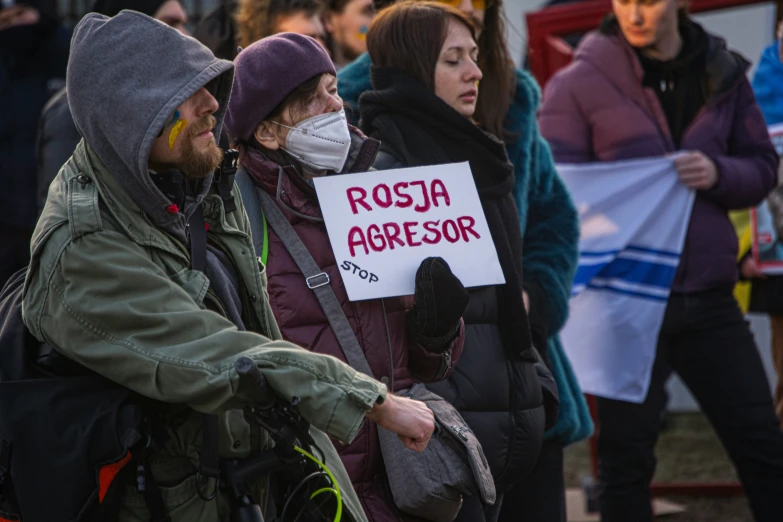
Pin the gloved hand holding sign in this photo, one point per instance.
(440, 301)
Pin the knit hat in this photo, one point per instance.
(265, 73)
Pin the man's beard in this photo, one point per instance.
(198, 164)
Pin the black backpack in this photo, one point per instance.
(69, 437)
(66, 433)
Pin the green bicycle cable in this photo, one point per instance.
(335, 491)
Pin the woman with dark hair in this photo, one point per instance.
(651, 82)
(508, 99)
(289, 126)
(425, 79)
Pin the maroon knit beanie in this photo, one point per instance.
(265, 73)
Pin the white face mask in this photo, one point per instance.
(321, 142)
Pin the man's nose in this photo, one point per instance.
(209, 104)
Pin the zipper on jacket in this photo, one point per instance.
(214, 300)
(446, 356)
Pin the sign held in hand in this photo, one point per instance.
(383, 224)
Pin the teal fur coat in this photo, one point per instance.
(549, 222)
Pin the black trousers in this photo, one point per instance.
(706, 340)
(539, 497)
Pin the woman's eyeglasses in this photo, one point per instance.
(477, 4)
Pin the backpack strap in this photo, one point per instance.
(258, 225)
(209, 458)
(317, 281)
(224, 179)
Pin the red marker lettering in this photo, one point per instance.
(378, 201)
(356, 238)
(439, 190)
(409, 234)
(466, 224)
(373, 235)
(432, 228)
(405, 200)
(392, 231)
(454, 236)
(426, 206)
(359, 198)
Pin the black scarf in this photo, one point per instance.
(679, 83)
(418, 128)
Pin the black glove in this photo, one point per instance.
(439, 303)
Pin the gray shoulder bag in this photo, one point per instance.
(430, 484)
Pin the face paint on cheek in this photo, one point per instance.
(362, 33)
(175, 132)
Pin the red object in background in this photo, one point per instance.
(548, 52)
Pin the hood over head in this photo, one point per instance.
(126, 76)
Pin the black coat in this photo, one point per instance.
(57, 139)
(32, 68)
(498, 394)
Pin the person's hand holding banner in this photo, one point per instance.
(440, 301)
(696, 170)
(383, 224)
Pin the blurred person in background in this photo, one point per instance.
(347, 22)
(257, 19)
(766, 291)
(57, 135)
(506, 106)
(651, 82)
(218, 30)
(170, 12)
(33, 57)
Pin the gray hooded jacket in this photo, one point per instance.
(147, 102)
(138, 90)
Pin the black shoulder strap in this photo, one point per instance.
(254, 212)
(225, 179)
(197, 234)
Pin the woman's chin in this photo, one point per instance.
(466, 109)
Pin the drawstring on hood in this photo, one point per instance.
(122, 100)
(679, 83)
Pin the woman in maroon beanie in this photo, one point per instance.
(289, 126)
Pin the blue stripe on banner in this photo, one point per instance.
(667, 253)
(630, 270)
(628, 292)
(599, 254)
(633, 248)
(585, 273)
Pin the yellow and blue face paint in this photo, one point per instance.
(362, 33)
(179, 124)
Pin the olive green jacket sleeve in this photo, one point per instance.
(103, 301)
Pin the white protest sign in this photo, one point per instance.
(382, 224)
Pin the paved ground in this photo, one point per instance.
(687, 451)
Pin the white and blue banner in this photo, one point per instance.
(633, 220)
